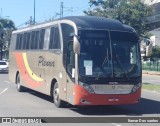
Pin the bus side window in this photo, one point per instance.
(70, 59)
(28, 41)
(13, 42)
(37, 40)
(54, 38)
(32, 42)
(41, 40)
(20, 42)
(66, 31)
(24, 40)
(17, 41)
(46, 39)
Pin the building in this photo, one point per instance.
(154, 21)
(155, 38)
(150, 2)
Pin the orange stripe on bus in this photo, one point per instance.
(24, 74)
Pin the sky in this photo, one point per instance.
(20, 11)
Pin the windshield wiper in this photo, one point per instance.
(104, 62)
(105, 59)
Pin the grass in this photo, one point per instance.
(151, 87)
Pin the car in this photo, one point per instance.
(3, 66)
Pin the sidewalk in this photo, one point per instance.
(151, 72)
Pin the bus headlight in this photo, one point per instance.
(136, 87)
(87, 87)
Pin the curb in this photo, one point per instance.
(151, 73)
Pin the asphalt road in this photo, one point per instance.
(151, 79)
(34, 104)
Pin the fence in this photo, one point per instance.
(151, 65)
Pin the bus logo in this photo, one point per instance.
(113, 82)
(43, 62)
(113, 87)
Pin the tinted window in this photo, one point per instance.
(28, 40)
(24, 41)
(32, 42)
(13, 42)
(67, 31)
(37, 40)
(126, 58)
(95, 53)
(20, 42)
(17, 41)
(54, 38)
(46, 39)
(41, 41)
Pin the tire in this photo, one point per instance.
(19, 87)
(57, 101)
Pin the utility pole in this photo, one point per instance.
(34, 19)
(61, 10)
(1, 13)
(31, 22)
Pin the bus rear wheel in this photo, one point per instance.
(57, 101)
(20, 88)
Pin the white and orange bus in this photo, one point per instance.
(78, 60)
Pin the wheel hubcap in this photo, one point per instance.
(56, 94)
(18, 86)
(18, 83)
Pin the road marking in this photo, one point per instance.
(116, 124)
(7, 82)
(4, 91)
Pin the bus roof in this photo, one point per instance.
(94, 22)
(85, 22)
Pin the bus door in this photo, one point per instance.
(70, 67)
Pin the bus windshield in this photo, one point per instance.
(108, 54)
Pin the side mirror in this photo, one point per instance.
(76, 45)
(149, 49)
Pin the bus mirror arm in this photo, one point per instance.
(76, 45)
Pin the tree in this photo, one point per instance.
(155, 52)
(6, 27)
(7, 24)
(130, 12)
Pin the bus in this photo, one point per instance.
(78, 60)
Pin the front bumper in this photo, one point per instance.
(84, 98)
(3, 70)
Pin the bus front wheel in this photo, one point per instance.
(57, 101)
